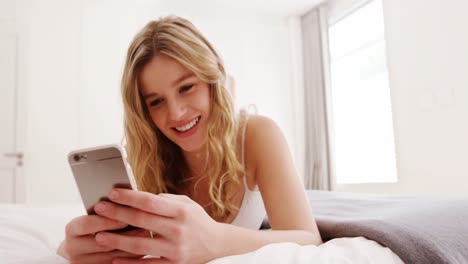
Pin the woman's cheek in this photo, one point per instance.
(157, 121)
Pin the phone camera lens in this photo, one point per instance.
(76, 157)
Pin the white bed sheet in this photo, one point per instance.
(31, 234)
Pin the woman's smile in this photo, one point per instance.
(187, 129)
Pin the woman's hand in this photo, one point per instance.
(80, 245)
(185, 232)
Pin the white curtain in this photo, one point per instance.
(318, 162)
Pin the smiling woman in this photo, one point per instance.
(186, 84)
(207, 174)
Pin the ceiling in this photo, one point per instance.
(276, 7)
(283, 8)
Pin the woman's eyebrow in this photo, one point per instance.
(146, 96)
(182, 78)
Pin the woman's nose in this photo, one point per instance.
(176, 111)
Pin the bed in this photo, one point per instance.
(419, 229)
(357, 228)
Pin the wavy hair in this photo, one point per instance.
(157, 162)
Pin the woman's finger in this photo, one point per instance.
(84, 245)
(178, 197)
(90, 224)
(105, 257)
(87, 244)
(136, 232)
(136, 245)
(162, 225)
(148, 202)
(123, 260)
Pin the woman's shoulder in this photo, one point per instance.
(259, 122)
(260, 132)
(257, 125)
(248, 117)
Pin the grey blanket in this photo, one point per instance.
(419, 229)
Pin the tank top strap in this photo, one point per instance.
(244, 128)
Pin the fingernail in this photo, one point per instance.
(113, 195)
(99, 207)
(100, 238)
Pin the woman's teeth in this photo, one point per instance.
(188, 126)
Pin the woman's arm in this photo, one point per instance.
(290, 215)
(234, 240)
(291, 219)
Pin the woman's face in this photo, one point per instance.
(178, 102)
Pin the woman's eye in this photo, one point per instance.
(155, 102)
(186, 88)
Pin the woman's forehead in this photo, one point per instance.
(162, 72)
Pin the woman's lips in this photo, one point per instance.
(190, 131)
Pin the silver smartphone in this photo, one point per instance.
(99, 169)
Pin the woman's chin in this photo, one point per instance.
(192, 148)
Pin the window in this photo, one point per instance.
(362, 118)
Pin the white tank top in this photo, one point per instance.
(252, 210)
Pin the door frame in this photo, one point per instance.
(11, 27)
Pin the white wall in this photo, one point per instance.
(428, 67)
(74, 53)
(52, 87)
(47, 83)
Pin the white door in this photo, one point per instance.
(10, 159)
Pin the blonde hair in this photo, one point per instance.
(157, 162)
